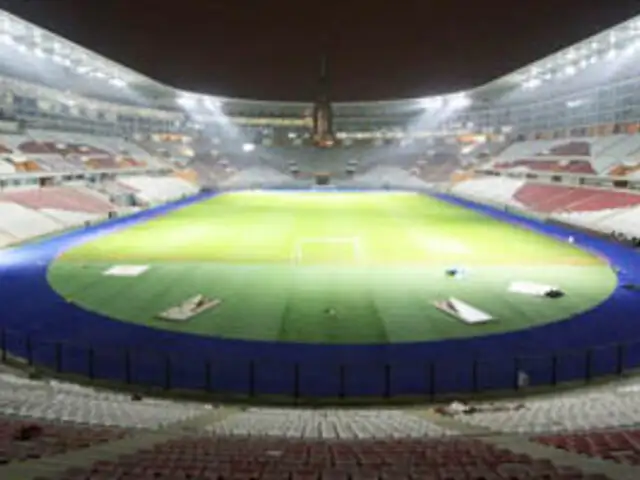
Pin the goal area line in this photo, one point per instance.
(298, 256)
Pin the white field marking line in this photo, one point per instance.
(298, 250)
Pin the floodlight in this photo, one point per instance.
(118, 82)
(459, 101)
(532, 83)
(431, 102)
(248, 147)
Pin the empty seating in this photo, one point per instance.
(47, 439)
(302, 423)
(255, 176)
(495, 189)
(551, 198)
(23, 223)
(587, 156)
(62, 402)
(58, 198)
(260, 459)
(378, 176)
(607, 406)
(616, 446)
(152, 190)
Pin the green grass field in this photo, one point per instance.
(279, 261)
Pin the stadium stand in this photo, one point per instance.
(72, 199)
(22, 440)
(596, 208)
(378, 176)
(54, 401)
(328, 424)
(244, 458)
(590, 156)
(616, 446)
(23, 223)
(40, 419)
(608, 407)
(155, 190)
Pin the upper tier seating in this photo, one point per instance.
(590, 155)
(63, 151)
(563, 166)
(261, 459)
(342, 424)
(617, 446)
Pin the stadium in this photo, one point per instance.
(203, 287)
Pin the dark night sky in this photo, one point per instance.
(270, 49)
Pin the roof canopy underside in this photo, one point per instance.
(33, 54)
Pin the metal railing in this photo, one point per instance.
(297, 380)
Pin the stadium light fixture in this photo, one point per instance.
(118, 82)
(459, 101)
(532, 83)
(431, 102)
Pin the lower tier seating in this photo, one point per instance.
(23, 440)
(620, 446)
(153, 190)
(328, 424)
(598, 209)
(57, 401)
(259, 459)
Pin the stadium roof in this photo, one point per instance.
(33, 40)
(569, 61)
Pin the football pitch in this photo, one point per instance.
(334, 267)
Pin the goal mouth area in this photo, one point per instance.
(327, 251)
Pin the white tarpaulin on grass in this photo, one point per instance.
(463, 311)
(530, 288)
(126, 270)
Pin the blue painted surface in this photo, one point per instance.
(35, 319)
